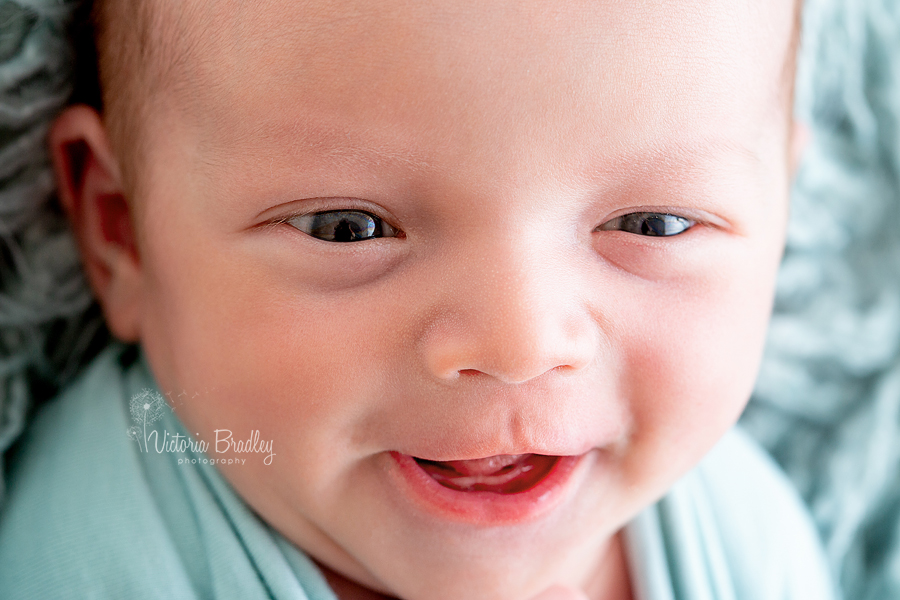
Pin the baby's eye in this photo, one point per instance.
(648, 223)
(343, 226)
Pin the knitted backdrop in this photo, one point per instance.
(827, 403)
(48, 322)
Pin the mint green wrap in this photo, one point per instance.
(91, 515)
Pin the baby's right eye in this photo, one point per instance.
(343, 226)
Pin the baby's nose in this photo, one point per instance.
(513, 313)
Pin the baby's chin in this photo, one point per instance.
(453, 584)
(485, 576)
(348, 589)
(510, 563)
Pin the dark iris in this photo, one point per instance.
(648, 223)
(343, 226)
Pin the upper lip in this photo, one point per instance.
(458, 455)
(449, 428)
(444, 446)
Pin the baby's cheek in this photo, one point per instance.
(690, 368)
(261, 356)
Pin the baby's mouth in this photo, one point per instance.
(503, 474)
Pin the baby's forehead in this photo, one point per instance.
(504, 61)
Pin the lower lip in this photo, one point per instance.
(485, 508)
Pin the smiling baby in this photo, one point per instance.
(484, 281)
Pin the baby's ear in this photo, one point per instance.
(91, 191)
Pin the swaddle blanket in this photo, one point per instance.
(99, 506)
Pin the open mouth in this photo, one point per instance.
(504, 474)
(497, 490)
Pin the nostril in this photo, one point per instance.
(514, 370)
(516, 349)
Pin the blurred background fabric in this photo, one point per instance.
(48, 320)
(49, 324)
(827, 403)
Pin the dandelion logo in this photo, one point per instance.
(135, 434)
(147, 407)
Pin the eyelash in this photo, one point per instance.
(337, 225)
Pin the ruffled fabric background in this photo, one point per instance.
(827, 404)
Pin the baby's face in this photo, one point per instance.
(381, 232)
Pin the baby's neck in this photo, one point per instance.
(611, 579)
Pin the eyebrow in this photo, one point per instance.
(674, 158)
(703, 147)
(323, 139)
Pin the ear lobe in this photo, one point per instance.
(90, 189)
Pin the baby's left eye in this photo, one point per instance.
(343, 226)
(648, 223)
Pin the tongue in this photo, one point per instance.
(487, 466)
(504, 474)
